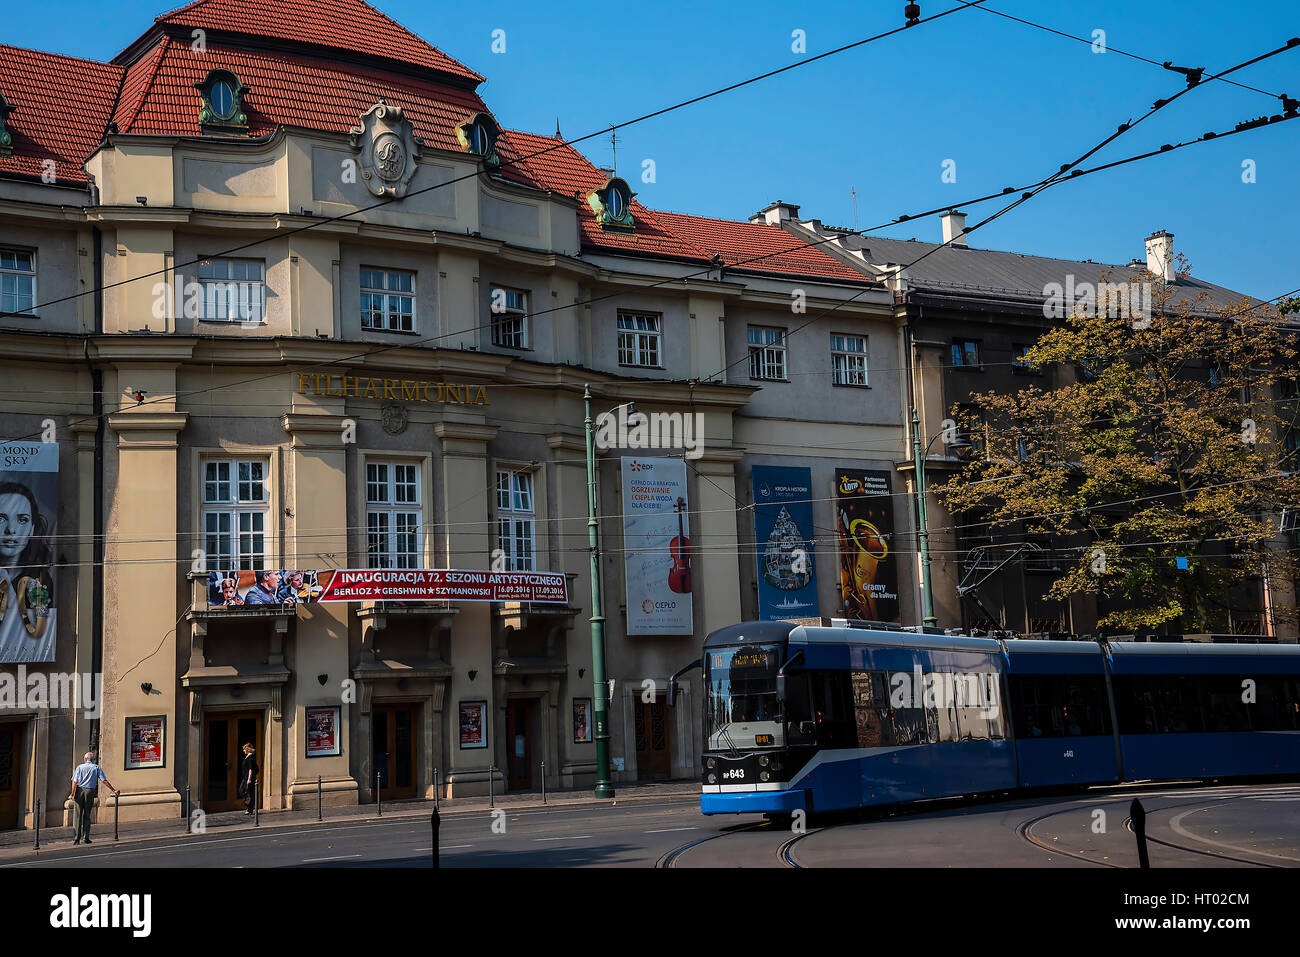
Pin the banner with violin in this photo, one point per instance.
(864, 518)
(658, 566)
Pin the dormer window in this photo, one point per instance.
(223, 103)
(6, 140)
(478, 135)
(613, 205)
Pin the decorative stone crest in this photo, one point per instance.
(388, 149)
(393, 417)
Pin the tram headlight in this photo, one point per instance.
(764, 776)
(713, 778)
(711, 763)
(762, 760)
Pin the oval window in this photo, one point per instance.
(616, 202)
(482, 142)
(223, 99)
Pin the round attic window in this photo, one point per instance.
(617, 202)
(482, 139)
(222, 98)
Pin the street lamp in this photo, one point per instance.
(918, 463)
(600, 695)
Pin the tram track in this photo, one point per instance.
(783, 854)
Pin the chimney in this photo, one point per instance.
(1160, 254)
(776, 214)
(954, 225)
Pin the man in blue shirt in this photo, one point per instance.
(264, 592)
(85, 788)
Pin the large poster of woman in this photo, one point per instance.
(864, 518)
(29, 508)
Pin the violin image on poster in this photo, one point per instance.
(679, 578)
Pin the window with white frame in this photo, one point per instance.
(639, 335)
(509, 317)
(233, 290)
(394, 515)
(236, 504)
(766, 352)
(17, 281)
(848, 359)
(387, 300)
(516, 515)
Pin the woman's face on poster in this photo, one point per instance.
(16, 524)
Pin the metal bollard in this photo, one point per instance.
(435, 789)
(257, 804)
(492, 781)
(379, 794)
(434, 819)
(38, 822)
(117, 799)
(543, 782)
(186, 811)
(1139, 816)
(320, 800)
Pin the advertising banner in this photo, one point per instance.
(323, 732)
(657, 547)
(783, 534)
(29, 509)
(864, 514)
(292, 585)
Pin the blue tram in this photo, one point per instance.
(843, 715)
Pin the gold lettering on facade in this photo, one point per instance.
(408, 390)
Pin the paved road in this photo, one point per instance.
(1230, 826)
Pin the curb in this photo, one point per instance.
(17, 853)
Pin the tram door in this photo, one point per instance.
(11, 754)
(653, 756)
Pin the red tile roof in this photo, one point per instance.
(758, 247)
(61, 108)
(159, 96)
(351, 26)
(555, 165)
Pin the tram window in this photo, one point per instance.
(1277, 703)
(1162, 704)
(798, 709)
(833, 709)
(1060, 706)
(1225, 710)
(871, 709)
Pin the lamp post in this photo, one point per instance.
(604, 789)
(923, 531)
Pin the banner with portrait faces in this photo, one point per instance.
(29, 509)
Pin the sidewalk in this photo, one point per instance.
(16, 845)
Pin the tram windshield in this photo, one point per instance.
(742, 706)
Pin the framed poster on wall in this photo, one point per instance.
(144, 742)
(323, 740)
(581, 720)
(473, 721)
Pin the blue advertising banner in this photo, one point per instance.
(783, 532)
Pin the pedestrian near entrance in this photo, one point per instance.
(248, 771)
(85, 789)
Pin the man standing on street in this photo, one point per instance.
(85, 788)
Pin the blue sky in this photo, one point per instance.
(1005, 102)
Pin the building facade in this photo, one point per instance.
(282, 296)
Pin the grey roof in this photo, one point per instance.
(988, 273)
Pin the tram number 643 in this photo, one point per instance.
(734, 773)
(1068, 754)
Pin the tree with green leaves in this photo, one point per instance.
(1163, 464)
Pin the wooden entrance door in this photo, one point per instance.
(11, 762)
(653, 756)
(393, 746)
(224, 737)
(519, 741)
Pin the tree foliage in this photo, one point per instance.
(1167, 443)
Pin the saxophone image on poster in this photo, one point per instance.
(864, 526)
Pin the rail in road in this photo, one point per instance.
(1200, 826)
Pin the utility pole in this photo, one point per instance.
(604, 789)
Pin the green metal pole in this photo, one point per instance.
(918, 461)
(604, 789)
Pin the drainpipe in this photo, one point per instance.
(97, 569)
